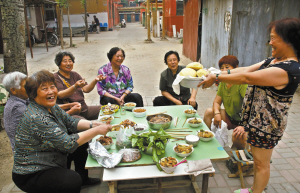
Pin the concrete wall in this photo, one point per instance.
(190, 29)
(215, 37)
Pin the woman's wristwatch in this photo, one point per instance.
(125, 93)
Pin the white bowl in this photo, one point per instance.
(168, 170)
(129, 107)
(139, 125)
(190, 83)
(194, 124)
(190, 114)
(110, 113)
(113, 134)
(192, 140)
(183, 154)
(105, 116)
(205, 138)
(137, 114)
(108, 146)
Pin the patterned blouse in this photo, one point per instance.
(112, 84)
(265, 109)
(44, 139)
(13, 112)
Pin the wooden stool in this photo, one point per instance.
(245, 165)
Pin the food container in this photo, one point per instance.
(113, 107)
(157, 126)
(194, 124)
(190, 82)
(104, 140)
(182, 154)
(190, 112)
(114, 133)
(108, 146)
(205, 138)
(105, 118)
(108, 112)
(140, 128)
(130, 105)
(192, 140)
(168, 170)
(139, 114)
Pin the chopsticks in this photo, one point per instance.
(177, 119)
(157, 113)
(184, 121)
(177, 131)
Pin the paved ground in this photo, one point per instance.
(145, 61)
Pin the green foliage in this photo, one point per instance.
(156, 140)
(62, 3)
(2, 96)
(181, 41)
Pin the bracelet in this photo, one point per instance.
(91, 124)
(217, 79)
(228, 71)
(125, 93)
(217, 113)
(74, 86)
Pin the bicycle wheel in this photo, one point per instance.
(53, 39)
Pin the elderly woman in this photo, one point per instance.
(272, 84)
(231, 96)
(117, 87)
(45, 136)
(71, 86)
(14, 83)
(167, 77)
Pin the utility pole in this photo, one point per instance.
(13, 33)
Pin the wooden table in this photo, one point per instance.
(212, 150)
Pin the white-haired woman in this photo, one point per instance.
(14, 83)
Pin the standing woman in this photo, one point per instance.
(71, 86)
(272, 84)
(45, 136)
(167, 77)
(117, 87)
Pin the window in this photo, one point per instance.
(28, 12)
(179, 7)
(49, 12)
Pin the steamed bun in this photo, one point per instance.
(201, 72)
(188, 71)
(195, 66)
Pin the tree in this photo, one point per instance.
(13, 33)
(83, 2)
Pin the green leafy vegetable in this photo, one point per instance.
(156, 140)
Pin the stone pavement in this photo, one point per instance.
(146, 61)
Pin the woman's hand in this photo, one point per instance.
(100, 77)
(75, 108)
(218, 120)
(192, 102)
(104, 129)
(239, 132)
(208, 82)
(178, 102)
(96, 124)
(80, 83)
(119, 100)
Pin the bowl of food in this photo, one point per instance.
(127, 123)
(113, 107)
(159, 121)
(140, 128)
(130, 105)
(139, 112)
(168, 164)
(192, 140)
(106, 141)
(205, 135)
(190, 112)
(194, 122)
(108, 112)
(115, 129)
(106, 118)
(183, 150)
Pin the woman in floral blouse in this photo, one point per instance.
(118, 85)
(272, 84)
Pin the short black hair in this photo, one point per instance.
(169, 53)
(113, 51)
(60, 55)
(37, 79)
(229, 59)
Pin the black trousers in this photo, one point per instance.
(164, 101)
(53, 180)
(131, 97)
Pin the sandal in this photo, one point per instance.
(247, 190)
